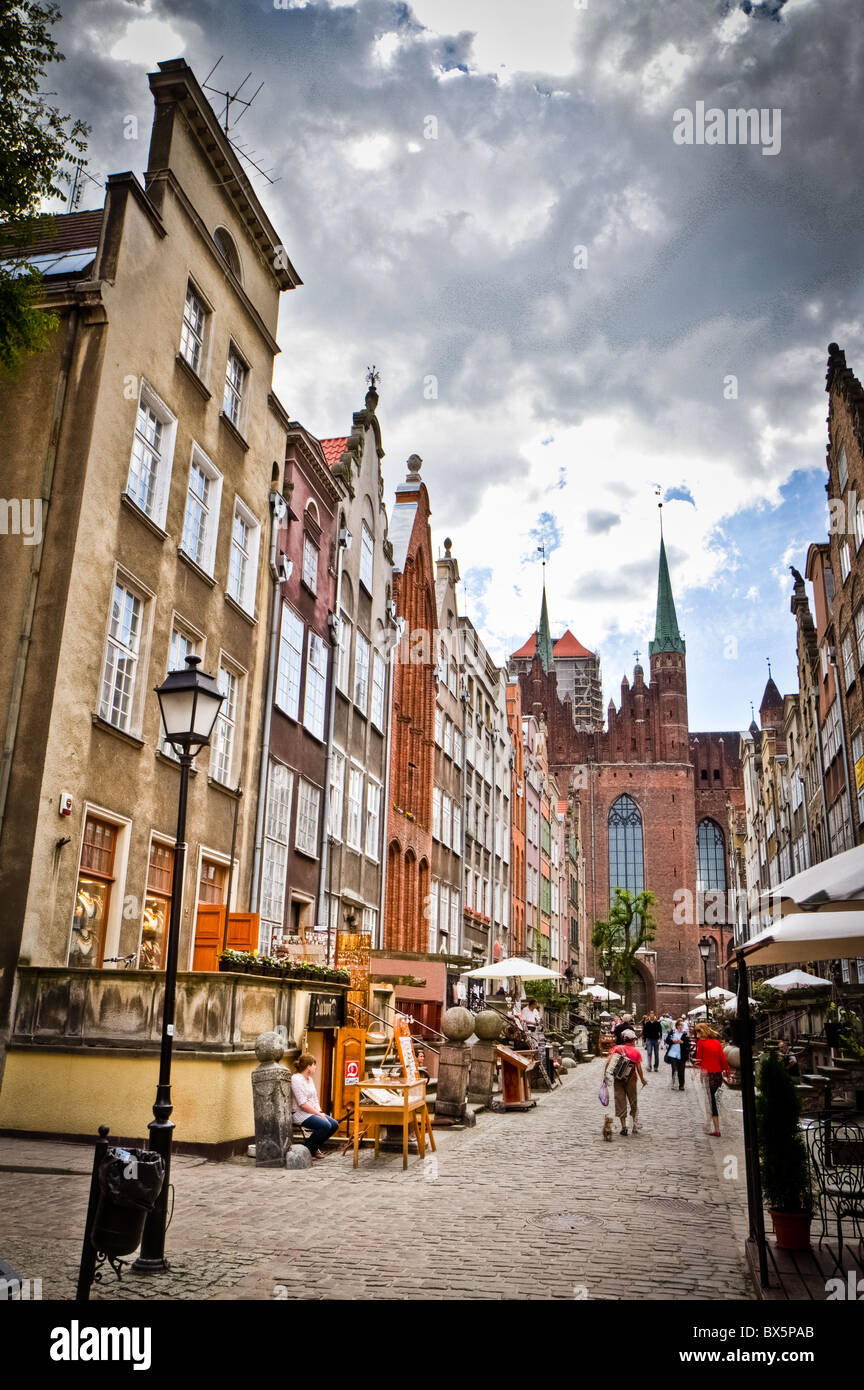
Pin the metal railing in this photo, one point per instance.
(414, 1022)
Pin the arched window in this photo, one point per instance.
(228, 251)
(711, 868)
(626, 867)
(712, 972)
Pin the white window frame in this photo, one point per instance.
(130, 721)
(457, 827)
(289, 667)
(845, 561)
(206, 558)
(458, 747)
(158, 505)
(433, 915)
(848, 656)
(234, 396)
(310, 563)
(229, 718)
(277, 841)
(354, 821)
(436, 813)
(379, 687)
(343, 668)
(190, 334)
(373, 818)
(337, 793)
(362, 651)
(446, 819)
(367, 557)
(315, 693)
(439, 727)
(244, 592)
(842, 469)
(308, 795)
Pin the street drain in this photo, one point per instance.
(678, 1206)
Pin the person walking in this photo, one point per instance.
(677, 1052)
(625, 1025)
(667, 1023)
(714, 1068)
(625, 1087)
(652, 1031)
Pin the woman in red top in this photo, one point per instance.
(711, 1059)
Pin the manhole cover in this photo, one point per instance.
(565, 1221)
(677, 1206)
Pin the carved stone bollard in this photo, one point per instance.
(272, 1106)
(487, 1025)
(454, 1063)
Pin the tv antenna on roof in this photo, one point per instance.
(231, 99)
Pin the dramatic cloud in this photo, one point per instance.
(568, 308)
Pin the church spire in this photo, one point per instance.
(667, 638)
(544, 636)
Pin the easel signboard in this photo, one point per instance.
(405, 1048)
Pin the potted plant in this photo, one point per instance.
(783, 1158)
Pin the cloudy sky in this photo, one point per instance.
(568, 308)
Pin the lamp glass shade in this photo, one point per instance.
(190, 701)
(704, 947)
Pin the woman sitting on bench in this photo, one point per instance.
(307, 1109)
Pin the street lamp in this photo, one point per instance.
(189, 701)
(705, 951)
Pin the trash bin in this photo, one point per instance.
(130, 1180)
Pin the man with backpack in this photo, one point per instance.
(625, 1064)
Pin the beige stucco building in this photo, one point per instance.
(150, 434)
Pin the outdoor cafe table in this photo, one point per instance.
(382, 1101)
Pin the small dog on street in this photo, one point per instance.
(607, 1129)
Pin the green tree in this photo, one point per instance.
(619, 936)
(782, 1151)
(36, 140)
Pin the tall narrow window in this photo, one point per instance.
(626, 869)
(367, 555)
(373, 818)
(379, 675)
(354, 830)
(290, 663)
(343, 670)
(316, 686)
(121, 658)
(225, 731)
(152, 451)
(361, 673)
(308, 806)
(274, 870)
(192, 333)
(236, 372)
(201, 517)
(93, 897)
(243, 564)
(310, 564)
(157, 907)
(337, 793)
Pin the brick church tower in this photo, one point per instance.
(655, 803)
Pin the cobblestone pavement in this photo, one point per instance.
(525, 1205)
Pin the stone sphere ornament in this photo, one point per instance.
(488, 1024)
(269, 1047)
(457, 1024)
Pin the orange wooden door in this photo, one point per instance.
(242, 931)
(208, 936)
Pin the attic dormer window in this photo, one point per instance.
(228, 251)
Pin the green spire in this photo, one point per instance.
(667, 638)
(544, 636)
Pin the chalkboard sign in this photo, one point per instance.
(326, 1010)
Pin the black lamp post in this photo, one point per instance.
(189, 701)
(705, 951)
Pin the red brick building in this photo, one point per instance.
(654, 802)
(409, 814)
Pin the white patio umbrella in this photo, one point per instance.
(600, 992)
(730, 1006)
(512, 968)
(833, 884)
(796, 979)
(717, 992)
(808, 936)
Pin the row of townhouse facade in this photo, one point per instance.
(371, 775)
(804, 760)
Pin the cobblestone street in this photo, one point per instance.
(526, 1206)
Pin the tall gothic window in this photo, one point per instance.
(711, 871)
(626, 869)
